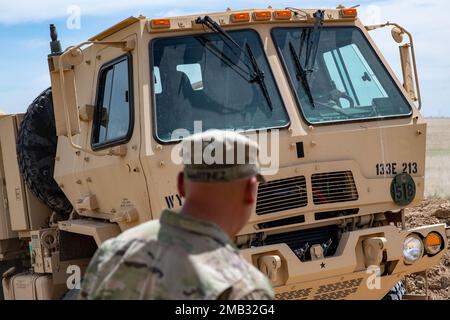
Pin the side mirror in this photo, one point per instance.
(67, 112)
(408, 59)
(63, 84)
(65, 101)
(408, 78)
(397, 34)
(407, 63)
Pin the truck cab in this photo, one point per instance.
(342, 139)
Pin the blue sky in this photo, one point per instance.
(24, 39)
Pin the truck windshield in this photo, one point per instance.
(202, 78)
(347, 81)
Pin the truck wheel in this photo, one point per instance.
(36, 151)
(397, 292)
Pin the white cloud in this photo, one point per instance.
(19, 11)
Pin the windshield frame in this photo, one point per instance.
(337, 122)
(193, 34)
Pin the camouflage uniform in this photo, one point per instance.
(180, 257)
(177, 257)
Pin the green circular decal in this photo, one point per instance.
(403, 189)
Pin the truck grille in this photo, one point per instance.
(333, 187)
(281, 195)
(282, 222)
(305, 239)
(335, 214)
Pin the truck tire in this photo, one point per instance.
(36, 151)
(397, 292)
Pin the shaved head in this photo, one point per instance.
(228, 204)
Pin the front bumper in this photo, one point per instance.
(346, 275)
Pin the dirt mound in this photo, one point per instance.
(431, 212)
(443, 212)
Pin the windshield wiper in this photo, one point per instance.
(313, 41)
(211, 47)
(302, 75)
(312, 38)
(258, 76)
(255, 72)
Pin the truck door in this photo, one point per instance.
(117, 182)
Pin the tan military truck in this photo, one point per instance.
(347, 143)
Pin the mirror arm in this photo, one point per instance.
(411, 44)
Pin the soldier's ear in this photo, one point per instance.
(180, 185)
(251, 190)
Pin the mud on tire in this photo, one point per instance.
(36, 151)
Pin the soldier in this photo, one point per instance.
(189, 254)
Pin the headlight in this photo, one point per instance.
(433, 243)
(413, 249)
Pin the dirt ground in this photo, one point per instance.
(431, 212)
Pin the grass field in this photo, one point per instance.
(437, 183)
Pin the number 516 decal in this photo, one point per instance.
(395, 168)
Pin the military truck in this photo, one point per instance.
(96, 150)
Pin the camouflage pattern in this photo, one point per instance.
(175, 258)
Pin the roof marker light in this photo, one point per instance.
(160, 23)
(240, 17)
(262, 15)
(282, 14)
(349, 13)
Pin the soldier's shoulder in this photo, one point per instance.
(227, 266)
(252, 284)
(256, 281)
(141, 234)
(145, 231)
(246, 282)
(108, 262)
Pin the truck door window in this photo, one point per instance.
(348, 81)
(201, 78)
(112, 117)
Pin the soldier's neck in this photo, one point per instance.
(212, 213)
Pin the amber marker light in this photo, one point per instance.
(433, 243)
(262, 15)
(240, 17)
(160, 23)
(349, 13)
(282, 15)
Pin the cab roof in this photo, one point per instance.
(228, 18)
